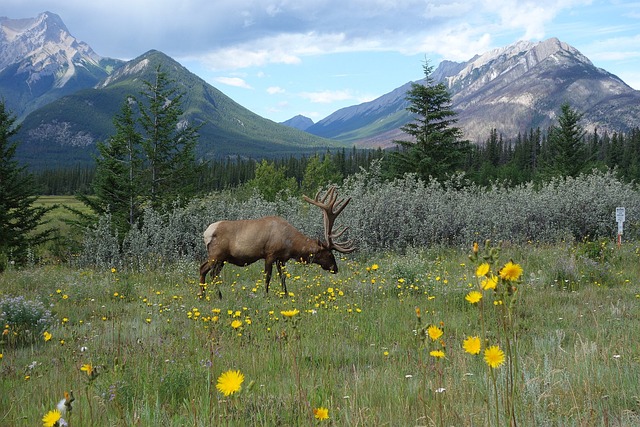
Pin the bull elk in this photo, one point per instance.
(273, 239)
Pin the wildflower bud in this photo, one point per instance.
(68, 400)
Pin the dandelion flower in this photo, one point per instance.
(434, 332)
(473, 297)
(489, 283)
(290, 313)
(236, 324)
(471, 345)
(321, 413)
(511, 271)
(438, 354)
(494, 356)
(230, 382)
(482, 269)
(47, 336)
(51, 418)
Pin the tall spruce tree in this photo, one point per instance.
(19, 218)
(567, 149)
(168, 142)
(436, 149)
(118, 168)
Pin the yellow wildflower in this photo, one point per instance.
(321, 413)
(482, 269)
(51, 418)
(434, 332)
(230, 382)
(473, 297)
(438, 354)
(494, 356)
(472, 345)
(290, 313)
(511, 271)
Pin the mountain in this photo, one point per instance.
(511, 89)
(299, 122)
(65, 131)
(40, 61)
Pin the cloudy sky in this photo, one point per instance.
(280, 58)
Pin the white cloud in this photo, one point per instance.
(233, 81)
(274, 90)
(327, 96)
(234, 34)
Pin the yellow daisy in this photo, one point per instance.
(230, 382)
(321, 413)
(47, 336)
(236, 324)
(482, 269)
(473, 297)
(434, 332)
(51, 418)
(494, 356)
(472, 345)
(511, 271)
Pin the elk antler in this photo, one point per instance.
(331, 208)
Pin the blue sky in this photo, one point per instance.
(280, 58)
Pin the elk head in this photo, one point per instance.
(331, 208)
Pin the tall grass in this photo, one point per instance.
(353, 347)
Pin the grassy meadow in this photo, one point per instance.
(380, 343)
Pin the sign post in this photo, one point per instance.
(620, 220)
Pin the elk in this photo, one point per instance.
(273, 239)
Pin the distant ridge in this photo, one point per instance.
(65, 131)
(299, 122)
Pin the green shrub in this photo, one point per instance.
(23, 320)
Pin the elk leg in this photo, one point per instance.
(204, 269)
(280, 267)
(268, 267)
(209, 266)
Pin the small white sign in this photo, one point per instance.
(620, 215)
(620, 228)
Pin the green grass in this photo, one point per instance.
(67, 237)
(354, 348)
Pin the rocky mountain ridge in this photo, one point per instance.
(41, 61)
(511, 89)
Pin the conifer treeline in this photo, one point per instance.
(518, 160)
(216, 175)
(528, 157)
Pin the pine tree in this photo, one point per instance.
(436, 149)
(19, 218)
(168, 142)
